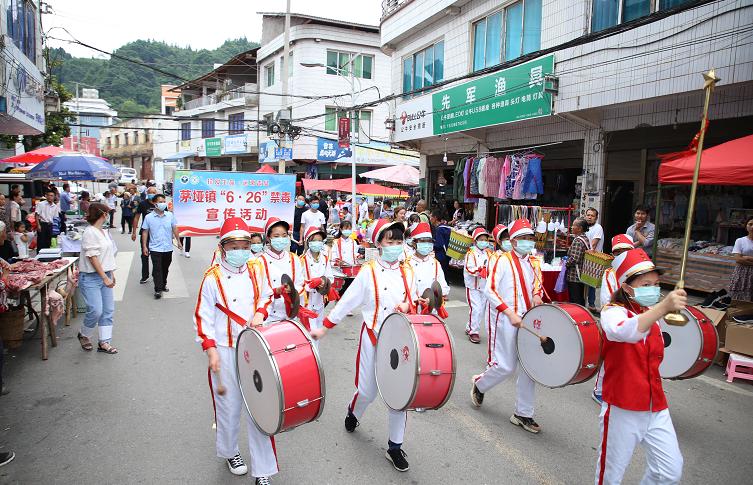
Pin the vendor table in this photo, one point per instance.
(550, 280)
(68, 245)
(705, 272)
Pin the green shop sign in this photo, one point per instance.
(505, 96)
(213, 147)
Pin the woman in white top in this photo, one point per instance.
(96, 280)
(741, 283)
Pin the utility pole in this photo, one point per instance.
(284, 73)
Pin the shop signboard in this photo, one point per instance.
(329, 151)
(267, 151)
(284, 153)
(185, 146)
(203, 199)
(213, 147)
(235, 144)
(343, 131)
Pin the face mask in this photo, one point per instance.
(162, 205)
(391, 253)
(316, 246)
(300, 203)
(237, 257)
(424, 248)
(315, 205)
(409, 241)
(347, 232)
(280, 243)
(482, 244)
(506, 245)
(525, 247)
(149, 196)
(647, 295)
(257, 247)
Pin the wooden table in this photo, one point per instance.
(47, 326)
(705, 272)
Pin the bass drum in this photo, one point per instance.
(577, 345)
(689, 349)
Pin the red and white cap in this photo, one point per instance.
(632, 263)
(421, 231)
(622, 241)
(381, 225)
(498, 230)
(234, 229)
(520, 227)
(273, 221)
(478, 232)
(314, 230)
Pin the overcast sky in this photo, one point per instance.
(108, 24)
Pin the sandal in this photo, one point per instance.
(85, 343)
(106, 348)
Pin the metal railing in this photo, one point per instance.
(247, 91)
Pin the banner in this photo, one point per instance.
(235, 144)
(213, 147)
(202, 199)
(329, 151)
(343, 130)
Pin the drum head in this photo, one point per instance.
(558, 368)
(397, 362)
(682, 346)
(259, 381)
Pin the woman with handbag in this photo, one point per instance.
(575, 258)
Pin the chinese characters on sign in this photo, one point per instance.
(329, 150)
(213, 147)
(343, 126)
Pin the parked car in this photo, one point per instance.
(127, 175)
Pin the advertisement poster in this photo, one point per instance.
(203, 199)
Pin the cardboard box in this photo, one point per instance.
(739, 338)
(718, 319)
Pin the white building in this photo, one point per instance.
(92, 112)
(141, 144)
(629, 88)
(21, 69)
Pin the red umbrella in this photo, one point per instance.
(35, 156)
(266, 169)
(729, 163)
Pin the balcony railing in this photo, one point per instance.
(247, 92)
(390, 6)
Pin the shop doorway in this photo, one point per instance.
(619, 207)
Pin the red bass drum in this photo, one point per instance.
(688, 349)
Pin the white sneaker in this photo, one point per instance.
(187, 255)
(236, 465)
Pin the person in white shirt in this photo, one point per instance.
(22, 239)
(363, 210)
(275, 261)
(96, 281)
(595, 236)
(425, 266)
(47, 211)
(474, 275)
(317, 268)
(112, 202)
(312, 217)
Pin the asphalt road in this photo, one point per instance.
(145, 415)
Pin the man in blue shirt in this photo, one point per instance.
(65, 204)
(158, 230)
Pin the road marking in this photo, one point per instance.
(512, 455)
(724, 385)
(455, 304)
(175, 280)
(123, 262)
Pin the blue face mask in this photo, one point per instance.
(257, 247)
(315, 205)
(316, 246)
(300, 203)
(162, 205)
(237, 257)
(506, 245)
(347, 232)
(424, 248)
(525, 247)
(149, 196)
(409, 241)
(280, 243)
(647, 295)
(390, 254)
(482, 244)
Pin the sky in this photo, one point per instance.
(108, 24)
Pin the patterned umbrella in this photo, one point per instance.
(74, 166)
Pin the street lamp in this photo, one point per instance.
(351, 80)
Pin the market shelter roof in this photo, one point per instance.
(344, 185)
(396, 174)
(35, 156)
(729, 163)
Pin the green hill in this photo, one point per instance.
(130, 88)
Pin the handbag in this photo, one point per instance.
(561, 285)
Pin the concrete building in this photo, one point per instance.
(169, 99)
(92, 113)
(606, 87)
(22, 69)
(137, 143)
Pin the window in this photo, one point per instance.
(185, 131)
(169, 110)
(269, 75)
(207, 128)
(495, 41)
(339, 64)
(665, 4)
(108, 142)
(135, 137)
(235, 123)
(608, 13)
(21, 26)
(424, 68)
(125, 139)
(360, 123)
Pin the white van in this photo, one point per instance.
(127, 175)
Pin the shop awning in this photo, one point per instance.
(344, 185)
(35, 156)
(729, 163)
(179, 155)
(397, 174)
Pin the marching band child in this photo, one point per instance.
(317, 268)
(380, 288)
(475, 274)
(275, 261)
(229, 298)
(501, 237)
(514, 287)
(257, 245)
(425, 266)
(635, 408)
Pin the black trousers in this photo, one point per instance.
(126, 220)
(112, 217)
(44, 238)
(186, 242)
(160, 268)
(576, 292)
(144, 259)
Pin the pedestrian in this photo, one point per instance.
(363, 210)
(158, 231)
(146, 206)
(345, 216)
(186, 242)
(334, 214)
(345, 251)
(84, 201)
(324, 208)
(112, 202)
(126, 213)
(741, 282)
(276, 261)
(232, 284)
(318, 268)
(300, 208)
(475, 273)
(66, 200)
(441, 232)
(595, 235)
(22, 239)
(312, 218)
(457, 216)
(387, 212)
(16, 202)
(400, 214)
(514, 288)
(96, 281)
(575, 258)
(48, 213)
(635, 409)
(642, 231)
(425, 266)
(380, 288)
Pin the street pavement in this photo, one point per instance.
(145, 415)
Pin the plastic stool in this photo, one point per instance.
(740, 367)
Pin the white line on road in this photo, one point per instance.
(455, 304)
(724, 385)
(123, 262)
(175, 280)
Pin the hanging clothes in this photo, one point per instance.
(506, 168)
(481, 170)
(534, 182)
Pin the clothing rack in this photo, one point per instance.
(513, 150)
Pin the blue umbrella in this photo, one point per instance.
(74, 166)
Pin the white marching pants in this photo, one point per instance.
(621, 430)
(228, 410)
(317, 322)
(503, 362)
(367, 390)
(477, 304)
(599, 380)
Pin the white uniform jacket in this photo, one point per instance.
(315, 267)
(428, 270)
(510, 276)
(274, 266)
(475, 260)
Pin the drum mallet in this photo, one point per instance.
(220, 388)
(547, 344)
